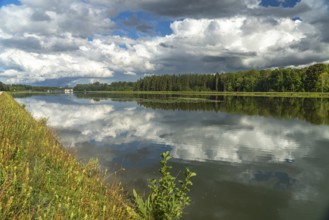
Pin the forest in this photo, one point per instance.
(18, 87)
(314, 78)
(97, 86)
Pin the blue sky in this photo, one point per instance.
(141, 24)
(7, 2)
(158, 25)
(276, 3)
(71, 41)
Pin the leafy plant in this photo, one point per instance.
(166, 200)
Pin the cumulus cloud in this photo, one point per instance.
(31, 67)
(229, 44)
(77, 39)
(45, 43)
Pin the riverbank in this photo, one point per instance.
(40, 179)
(212, 93)
(203, 93)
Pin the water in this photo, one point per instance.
(256, 158)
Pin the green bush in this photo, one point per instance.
(166, 200)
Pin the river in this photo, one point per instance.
(255, 158)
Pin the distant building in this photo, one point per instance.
(67, 91)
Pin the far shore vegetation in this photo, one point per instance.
(311, 81)
(214, 93)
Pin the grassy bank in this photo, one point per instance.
(39, 179)
(207, 93)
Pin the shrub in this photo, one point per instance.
(166, 200)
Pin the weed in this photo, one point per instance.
(166, 200)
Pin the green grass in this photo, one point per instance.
(200, 93)
(39, 179)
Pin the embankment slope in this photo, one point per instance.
(39, 178)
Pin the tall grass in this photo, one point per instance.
(39, 179)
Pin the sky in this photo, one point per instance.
(65, 42)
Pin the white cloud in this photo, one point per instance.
(248, 40)
(38, 67)
(237, 34)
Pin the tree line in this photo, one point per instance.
(97, 86)
(19, 87)
(314, 78)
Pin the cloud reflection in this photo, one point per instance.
(261, 162)
(195, 136)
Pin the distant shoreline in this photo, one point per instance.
(205, 93)
(201, 93)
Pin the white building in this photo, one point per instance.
(67, 91)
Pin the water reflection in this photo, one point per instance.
(249, 167)
(314, 110)
(193, 136)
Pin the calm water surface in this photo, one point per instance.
(256, 158)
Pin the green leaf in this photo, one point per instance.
(166, 200)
